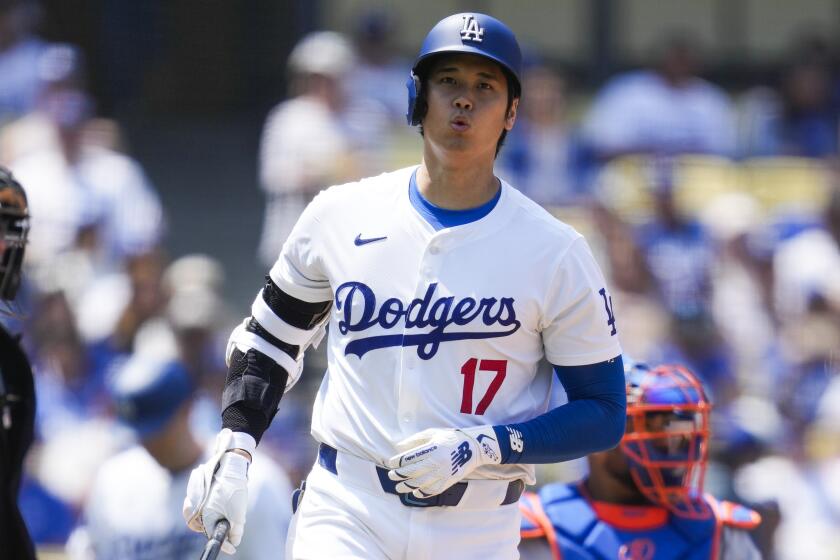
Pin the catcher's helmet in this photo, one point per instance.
(667, 437)
(471, 33)
(14, 229)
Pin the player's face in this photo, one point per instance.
(467, 104)
(672, 443)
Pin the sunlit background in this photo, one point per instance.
(167, 147)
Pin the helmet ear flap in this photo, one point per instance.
(413, 86)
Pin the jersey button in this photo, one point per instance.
(434, 249)
(406, 419)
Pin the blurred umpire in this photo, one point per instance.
(17, 393)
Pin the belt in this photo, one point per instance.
(327, 458)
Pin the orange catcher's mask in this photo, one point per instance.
(667, 437)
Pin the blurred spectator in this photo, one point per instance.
(20, 52)
(809, 121)
(801, 116)
(74, 358)
(806, 267)
(810, 343)
(197, 313)
(759, 122)
(743, 433)
(117, 306)
(539, 154)
(677, 250)
(200, 322)
(798, 120)
(666, 109)
(83, 196)
(316, 138)
(672, 260)
(134, 509)
(71, 388)
(742, 291)
(72, 413)
(696, 340)
(379, 75)
(303, 146)
(803, 476)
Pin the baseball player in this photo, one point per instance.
(133, 510)
(17, 391)
(644, 499)
(443, 288)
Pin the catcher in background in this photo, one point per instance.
(643, 500)
(17, 392)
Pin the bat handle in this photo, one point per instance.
(211, 549)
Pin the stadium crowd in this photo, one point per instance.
(715, 215)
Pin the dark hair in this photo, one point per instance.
(513, 92)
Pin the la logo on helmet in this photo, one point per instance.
(472, 31)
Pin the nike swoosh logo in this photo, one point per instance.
(359, 241)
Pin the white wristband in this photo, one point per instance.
(241, 440)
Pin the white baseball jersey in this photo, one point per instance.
(437, 329)
(134, 513)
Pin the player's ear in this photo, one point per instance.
(510, 118)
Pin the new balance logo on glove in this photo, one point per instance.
(460, 456)
(417, 455)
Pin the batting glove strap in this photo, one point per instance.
(488, 444)
(241, 440)
(433, 460)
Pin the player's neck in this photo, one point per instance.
(456, 185)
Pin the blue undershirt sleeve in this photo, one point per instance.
(592, 420)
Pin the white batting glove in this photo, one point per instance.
(218, 489)
(435, 459)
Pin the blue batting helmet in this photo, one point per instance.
(471, 33)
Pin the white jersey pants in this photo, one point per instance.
(348, 516)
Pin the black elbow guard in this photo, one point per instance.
(253, 389)
(300, 314)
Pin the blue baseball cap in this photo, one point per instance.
(147, 392)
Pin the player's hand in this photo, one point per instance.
(218, 489)
(433, 460)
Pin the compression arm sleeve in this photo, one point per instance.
(264, 358)
(592, 420)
